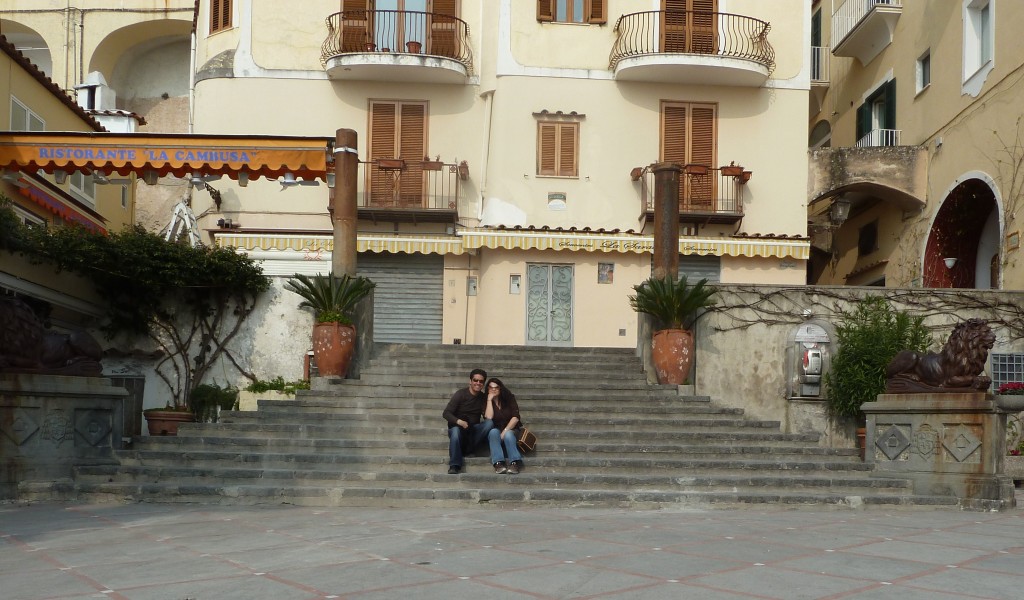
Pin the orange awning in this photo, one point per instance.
(167, 154)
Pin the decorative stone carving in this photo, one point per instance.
(956, 369)
(26, 346)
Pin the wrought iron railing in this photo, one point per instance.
(819, 64)
(399, 31)
(692, 32)
(880, 137)
(396, 184)
(851, 13)
(702, 190)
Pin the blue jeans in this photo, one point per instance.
(508, 440)
(465, 440)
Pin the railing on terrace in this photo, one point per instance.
(692, 32)
(396, 184)
(819, 64)
(851, 13)
(703, 191)
(880, 137)
(400, 31)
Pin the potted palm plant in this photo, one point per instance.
(675, 305)
(333, 299)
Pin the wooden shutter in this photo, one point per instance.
(547, 143)
(890, 105)
(703, 27)
(220, 15)
(355, 25)
(383, 135)
(673, 140)
(545, 10)
(702, 152)
(567, 145)
(412, 148)
(443, 40)
(863, 120)
(598, 12)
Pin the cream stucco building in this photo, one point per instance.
(915, 120)
(505, 191)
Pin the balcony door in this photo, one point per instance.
(398, 130)
(689, 26)
(689, 137)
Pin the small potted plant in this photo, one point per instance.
(1010, 396)
(675, 305)
(333, 299)
(207, 400)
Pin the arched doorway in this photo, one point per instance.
(964, 239)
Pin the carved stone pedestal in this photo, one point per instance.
(947, 444)
(50, 423)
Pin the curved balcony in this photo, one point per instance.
(692, 47)
(397, 45)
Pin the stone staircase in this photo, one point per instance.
(607, 438)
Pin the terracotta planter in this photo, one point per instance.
(165, 422)
(672, 354)
(732, 171)
(414, 47)
(334, 344)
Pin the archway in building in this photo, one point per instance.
(963, 245)
(30, 43)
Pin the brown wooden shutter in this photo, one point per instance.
(673, 139)
(703, 27)
(567, 163)
(443, 27)
(702, 152)
(547, 135)
(412, 148)
(220, 15)
(598, 12)
(355, 26)
(383, 134)
(545, 10)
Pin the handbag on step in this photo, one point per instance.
(526, 440)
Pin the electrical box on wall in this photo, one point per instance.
(471, 286)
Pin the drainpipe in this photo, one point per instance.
(192, 81)
(488, 97)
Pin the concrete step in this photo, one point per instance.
(496, 352)
(416, 406)
(506, 495)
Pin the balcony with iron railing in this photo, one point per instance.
(397, 45)
(707, 195)
(879, 138)
(400, 190)
(863, 28)
(697, 47)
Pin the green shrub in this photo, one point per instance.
(868, 338)
(277, 384)
(206, 398)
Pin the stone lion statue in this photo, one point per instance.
(957, 368)
(26, 346)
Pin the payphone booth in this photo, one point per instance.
(807, 358)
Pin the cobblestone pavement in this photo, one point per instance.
(177, 552)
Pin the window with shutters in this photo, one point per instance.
(398, 130)
(558, 148)
(689, 137)
(573, 11)
(220, 15)
(392, 24)
(690, 26)
(876, 117)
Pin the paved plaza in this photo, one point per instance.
(177, 552)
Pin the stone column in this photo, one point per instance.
(666, 220)
(343, 208)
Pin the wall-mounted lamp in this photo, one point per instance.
(330, 180)
(243, 179)
(950, 262)
(840, 211)
(636, 173)
(60, 176)
(150, 176)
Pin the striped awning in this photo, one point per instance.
(58, 207)
(166, 154)
(638, 244)
(315, 245)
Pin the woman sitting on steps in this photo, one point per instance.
(501, 407)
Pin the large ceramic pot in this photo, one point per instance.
(165, 422)
(334, 344)
(672, 355)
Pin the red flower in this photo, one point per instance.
(1013, 388)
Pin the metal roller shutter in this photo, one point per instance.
(700, 267)
(408, 299)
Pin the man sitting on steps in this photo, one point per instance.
(465, 429)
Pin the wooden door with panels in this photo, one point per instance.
(689, 26)
(379, 25)
(398, 130)
(689, 137)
